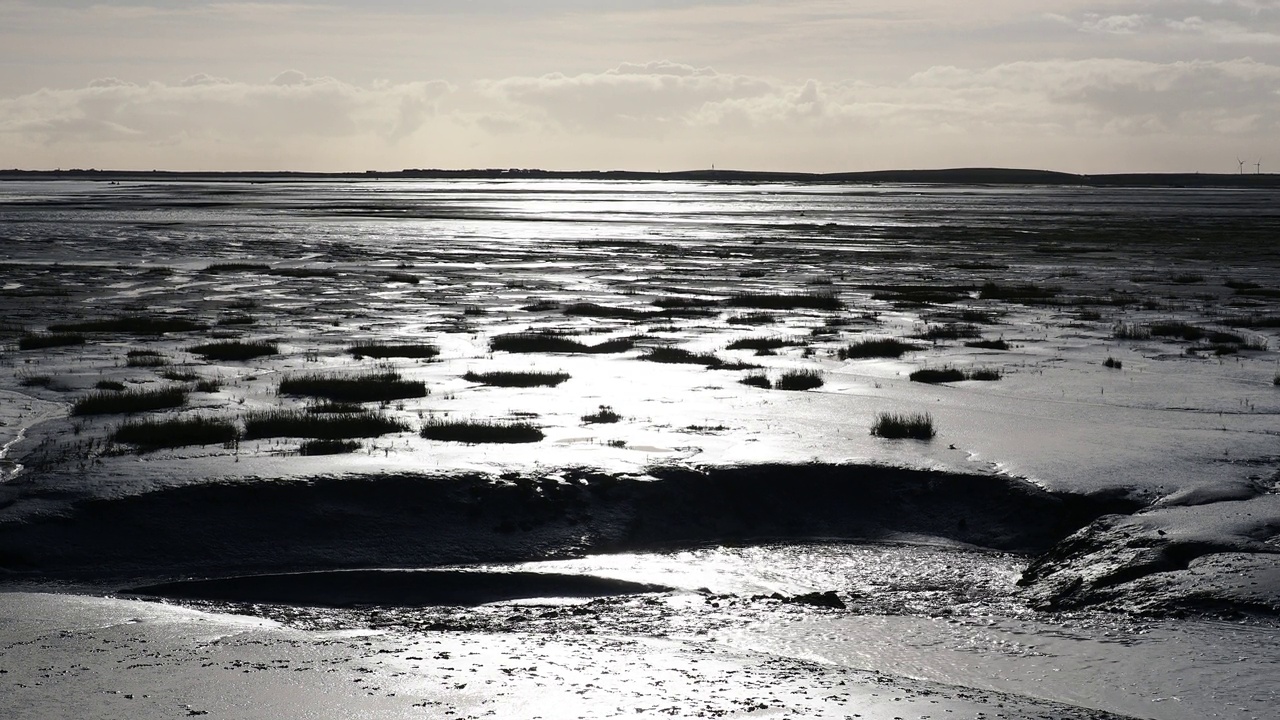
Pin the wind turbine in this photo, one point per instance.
(1241, 164)
(1258, 166)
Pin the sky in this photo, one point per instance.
(1086, 86)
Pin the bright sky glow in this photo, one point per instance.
(808, 85)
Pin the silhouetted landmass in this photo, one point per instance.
(950, 176)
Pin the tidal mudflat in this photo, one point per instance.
(413, 447)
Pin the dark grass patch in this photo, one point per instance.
(677, 355)
(401, 277)
(1241, 285)
(233, 350)
(1186, 279)
(937, 375)
(1112, 363)
(382, 350)
(586, 309)
(782, 301)
(43, 381)
(112, 385)
(40, 341)
(1130, 331)
(984, 374)
(1252, 321)
(920, 294)
(508, 378)
(799, 380)
(129, 401)
(293, 423)
(1259, 292)
(237, 320)
(1276, 380)
(176, 432)
(604, 414)
(206, 385)
(677, 303)
(876, 348)
(481, 431)
(988, 344)
(758, 380)
(372, 387)
(304, 272)
(328, 447)
(752, 319)
(949, 331)
(1026, 291)
(1176, 329)
(913, 426)
(179, 375)
(544, 342)
(331, 408)
(145, 358)
(762, 343)
(226, 267)
(542, 306)
(131, 324)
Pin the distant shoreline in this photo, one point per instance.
(954, 176)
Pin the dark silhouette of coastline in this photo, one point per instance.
(951, 176)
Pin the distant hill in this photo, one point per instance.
(949, 176)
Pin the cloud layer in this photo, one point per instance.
(1111, 94)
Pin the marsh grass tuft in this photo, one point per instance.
(762, 343)
(371, 387)
(1112, 363)
(988, 344)
(381, 350)
(106, 402)
(799, 380)
(782, 301)
(112, 385)
(547, 342)
(328, 447)
(603, 415)
(40, 341)
(914, 426)
(759, 380)
(176, 432)
(508, 378)
(294, 423)
(145, 358)
(132, 324)
(937, 375)
(233, 350)
(877, 348)
(675, 355)
(481, 431)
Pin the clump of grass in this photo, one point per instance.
(915, 295)
(1276, 380)
(481, 431)
(546, 342)
(799, 380)
(915, 426)
(335, 408)
(176, 432)
(328, 447)
(113, 385)
(293, 423)
(40, 341)
(1130, 331)
(179, 375)
(206, 385)
(586, 309)
(381, 350)
(876, 348)
(304, 272)
(782, 301)
(402, 277)
(134, 324)
(1027, 291)
(677, 355)
(237, 267)
(761, 343)
(985, 374)
(541, 306)
(751, 319)
(236, 320)
(371, 387)
(507, 378)
(1177, 329)
(37, 381)
(988, 344)
(603, 415)
(131, 401)
(676, 303)
(759, 380)
(145, 358)
(949, 331)
(1112, 363)
(1241, 285)
(937, 375)
(234, 350)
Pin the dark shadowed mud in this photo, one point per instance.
(423, 521)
